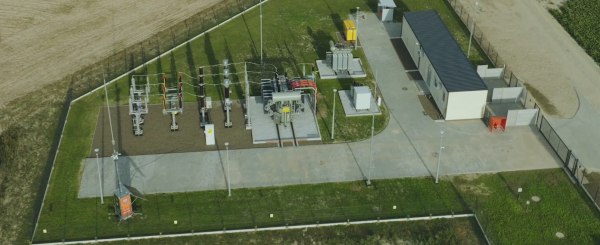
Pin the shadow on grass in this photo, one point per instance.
(192, 69)
(320, 41)
(234, 77)
(212, 61)
(10, 136)
(253, 45)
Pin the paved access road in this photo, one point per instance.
(408, 147)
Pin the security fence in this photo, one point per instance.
(178, 213)
(589, 181)
(485, 44)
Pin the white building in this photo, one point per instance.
(457, 89)
(385, 10)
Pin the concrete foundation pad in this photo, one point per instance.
(305, 123)
(346, 98)
(325, 72)
(263, 127)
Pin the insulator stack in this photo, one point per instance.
(180, 85)
(226, 88)
(201, 87)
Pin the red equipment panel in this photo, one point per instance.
(496, 121)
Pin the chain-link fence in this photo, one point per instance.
(246, 209)
(589, 180)
(137, 54)
(464, 13)
(125, 60)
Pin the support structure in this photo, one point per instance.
(138, 105)
(122, 195)
(282, 97)
(226, 81)
(247, 92)
(203, 108)
(172, 100)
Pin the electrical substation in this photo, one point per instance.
(340, 63)
(138, 105)
(283, 114)
(285, 111)
(172, 100)
(359, 101)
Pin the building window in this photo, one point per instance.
(436, 84)
(443, 96)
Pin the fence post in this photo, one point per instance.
(496, 61)
(595, 196)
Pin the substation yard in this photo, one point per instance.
(159, 139)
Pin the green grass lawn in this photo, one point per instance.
(69, 218)
(444, 231)
(507, 220)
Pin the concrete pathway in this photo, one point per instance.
(407, 147)
(581, 133)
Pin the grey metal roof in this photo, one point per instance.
(387, 3)
(451, 64)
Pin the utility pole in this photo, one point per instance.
(261, 35)
(333, 120)
(228, 181)
(356, 30)
(248, 122)
(115, 155)
(372, 133)
(439, 156)
(99, 177)
(472, 29)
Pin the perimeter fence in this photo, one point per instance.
(128, 58)
(179, 213)
(123, 61)
(588, 180)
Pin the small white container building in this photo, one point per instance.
(455, 86)
(385, 10)
(362, 98)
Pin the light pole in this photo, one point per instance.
(372, 132)
(356, 30)
(371, 151)
(472, 27)
(99, 177)
(333, 120)
(261, 48)
(228, 182)
(439, 157)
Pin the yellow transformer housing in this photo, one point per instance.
(349, 30)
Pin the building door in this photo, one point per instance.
(429, 76)
(419, 58)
